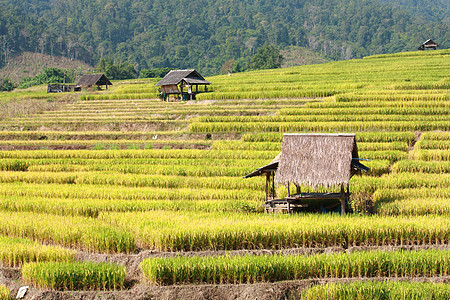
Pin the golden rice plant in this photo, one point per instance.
(84, 233)
(4, 293)
(15, 252)
(419, 166)
(196, 231)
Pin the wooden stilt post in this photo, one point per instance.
(274, 194)
(343, 198)
(267, 185)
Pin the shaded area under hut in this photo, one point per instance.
(311, 160)
(175, 82)
(89, 80)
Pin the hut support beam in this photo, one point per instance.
(343, 198)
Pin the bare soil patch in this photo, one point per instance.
(261, 291)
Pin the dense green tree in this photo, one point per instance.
(154, 73)
(6, 85)
(116, 71)
(48, 75)
(267, 57)
(204, 34)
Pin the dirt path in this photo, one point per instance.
(261, 291)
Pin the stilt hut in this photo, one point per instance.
(90, 80)
(429, 44)
(311, 160)
(176, 81)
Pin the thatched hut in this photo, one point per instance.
(176, 80)
(428, 44)
(312, 160)
(90, 80)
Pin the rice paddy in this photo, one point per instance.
(120, 171)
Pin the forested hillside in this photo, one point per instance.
(206, 34)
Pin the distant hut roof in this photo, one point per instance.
(316, 159)
(93, 79)
(429, 42)
(174, 77)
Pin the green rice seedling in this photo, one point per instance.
(251, 269)
(389, 290)
(99, 147)
(15, 252)
(4, 293)
(75, 275)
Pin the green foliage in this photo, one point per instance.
(6, 85)
(387, 290)
(154, 73)
(48, 75)
(115, 71)
(75, 275)
(205, 35)
(267, 57)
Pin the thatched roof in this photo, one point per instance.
(176, 76)
(429, 42)
(271, 167)
(93, 79)
(316, 159)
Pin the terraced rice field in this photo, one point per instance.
(156, 187)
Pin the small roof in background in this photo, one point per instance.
(176, 76)
(93, 79)
(316, 159)
(429, 42)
